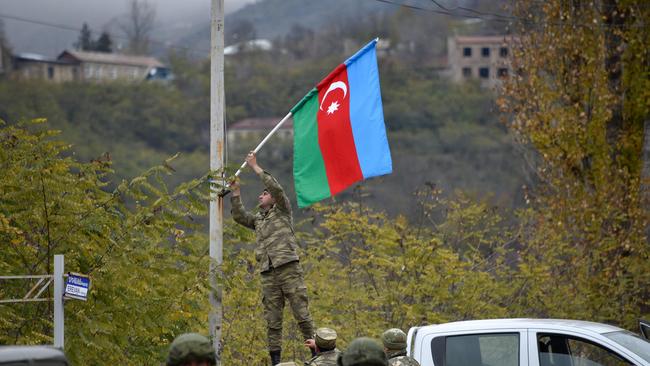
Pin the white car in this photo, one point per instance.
(527, 342)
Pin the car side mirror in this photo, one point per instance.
(644, 326)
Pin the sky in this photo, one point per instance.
(172, 16)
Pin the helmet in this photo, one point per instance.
(363, 352)
(191, 347)
(325, 338)
(394, 339)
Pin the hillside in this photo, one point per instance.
(275, 18)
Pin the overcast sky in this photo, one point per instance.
(29, 37)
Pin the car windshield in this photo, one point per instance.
(632, 342)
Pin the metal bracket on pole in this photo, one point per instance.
(35, 291)
(39, 287)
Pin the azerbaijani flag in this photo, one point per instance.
(339, 132)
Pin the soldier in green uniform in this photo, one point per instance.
(362, 352)
(277, 258)
(395, 347)
(191, 349)
(324, 343)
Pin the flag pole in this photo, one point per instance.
(268, 136)
(224, 192)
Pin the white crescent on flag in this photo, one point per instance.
(333, 86)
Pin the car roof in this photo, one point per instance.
(24, 353)
(560, 324)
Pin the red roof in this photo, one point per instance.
(260, 124)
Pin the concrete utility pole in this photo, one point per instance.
(217, 146)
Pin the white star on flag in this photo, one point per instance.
(333, 107)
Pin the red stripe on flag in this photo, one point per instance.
(335, 131)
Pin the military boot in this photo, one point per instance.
(275, 357)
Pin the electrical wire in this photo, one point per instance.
(493, 17)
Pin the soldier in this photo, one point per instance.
(191, 349)
(363, 352)
(276, 256)
(395, 347)
(324, 343)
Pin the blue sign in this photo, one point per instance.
(76, 286)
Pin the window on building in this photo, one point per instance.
(467, 72)
(50, 72)
(485, 51)
(467, 51)
(484, 72)
(503, 52)
(502, 72)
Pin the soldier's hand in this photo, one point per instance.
(310, 343)
(234, 187)
(251, 160)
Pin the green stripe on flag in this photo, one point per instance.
(308, 165)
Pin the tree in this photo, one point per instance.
(138, 24)
(85, 40)
(580, 105)
(104, 43)
(5, 50)
(138, 243)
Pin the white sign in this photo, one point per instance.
(76, 286)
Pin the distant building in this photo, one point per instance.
(252, 45)
(486, 58)
(258, 128)
(245, 134)
(30, 66)
(88, 66)
(100, 66)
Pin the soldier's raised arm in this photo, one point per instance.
(271, 184)
(239, 213)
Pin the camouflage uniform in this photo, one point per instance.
(325, 339)
(190, 347)
(400, 359)
(394, 341)
(278, 262)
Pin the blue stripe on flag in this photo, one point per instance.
(366, 113)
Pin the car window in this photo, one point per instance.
(482, 350)
(632, 342)
(562, 350)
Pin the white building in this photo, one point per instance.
(479, 57)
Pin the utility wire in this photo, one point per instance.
(70, 28)
(494, 17)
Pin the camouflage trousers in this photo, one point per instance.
(279, 283)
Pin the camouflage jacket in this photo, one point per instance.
(401, 359)
(276, 242)
(327, 358)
